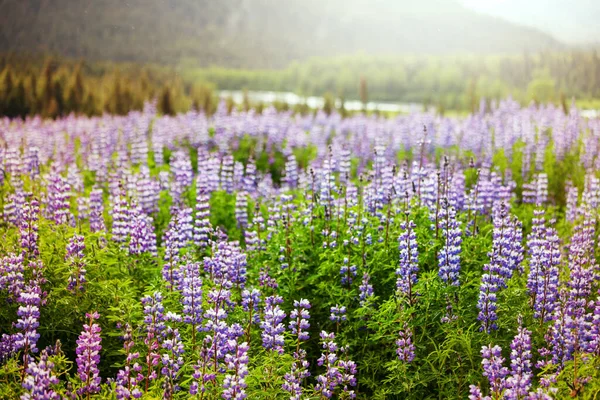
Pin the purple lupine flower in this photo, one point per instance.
(148, 192)
(28, 229)
(298, 326)
(347, 272)
(74, 258)
(265, 280)
(13, 207)
(536, 242)
(171, 361)
(121, 222)
(449, 255)
(241, 209)
(215, 315)
(272, 326)
(236, 362)
(83, 209)
(291, 172)
(409, 259)
(154, 326)
(338, 314)
(519, 381)
(405, 347)
(293, 379)
(475, 393)
(191, 297)
(202, 226)
(493, 370)
(8, 346)
(202, 373)
(97, 211)
(29, 319)
(142, 236)
(39, 379)
(299, 319)
(487, 302)
(226, 177)
(365, 290)
(170, 270)
(130, 375)
(348, 373)
(58, 199)
(543, 276)
(12, 277)
(499, 269)
(572, 198)
(328, 382)
(88, 356)
(181, 168)
(251, 304)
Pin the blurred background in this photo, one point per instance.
(94, 56)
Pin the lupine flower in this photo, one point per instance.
(347, 272)
(519, 381)
(8, 346)
(271, 325)
(265, 280)
(338, 372)
(251, 304)
(327, 383)
(475, 393)
(237, 363)
(202, 373)
(542, 281)
(154, 326)
(129, 376)
(405, 347)
(348, 373)
(299, 319)
(88, 356)
(96, 211)
(365, 289)
(338, 313)
(409, 260)
(493, 369)
(121, 223)
(39, 379)
(291, 172)
(28, 228)
(241, 209)
(142, 236)
(172, 360)
(58, 198)
(202, 225)
(74, 258)
(226, 177)
(191, 296)
(499, 269)
(12, 277)
(293, 379)
(449, 255)
(29, 315)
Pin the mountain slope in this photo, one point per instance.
(254, 33)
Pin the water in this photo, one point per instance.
(317, 102)
(351, 105)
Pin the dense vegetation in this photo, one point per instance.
(284, 256)
(255, 33)
(34, 85)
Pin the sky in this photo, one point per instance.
(570, 21)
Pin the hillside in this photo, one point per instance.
(254, 33)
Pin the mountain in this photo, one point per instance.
(255, 33)
(574, 22)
